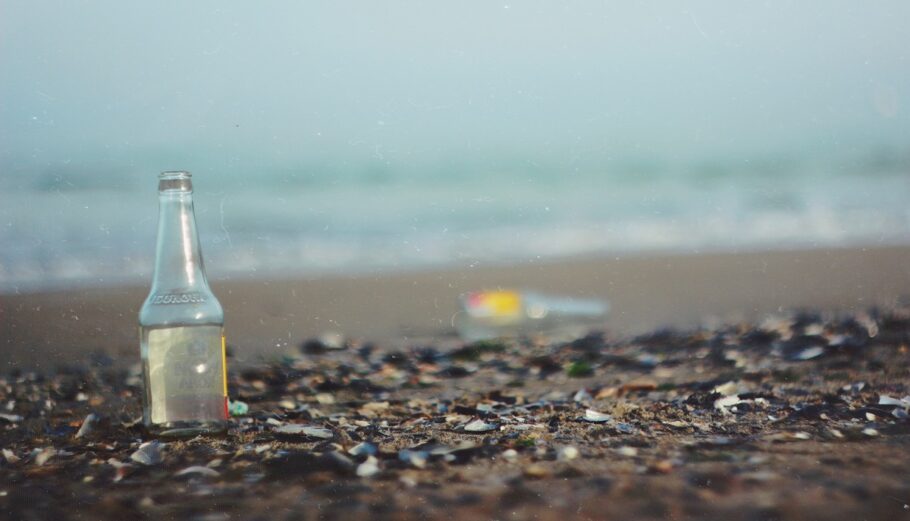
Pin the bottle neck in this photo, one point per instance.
(178, 258)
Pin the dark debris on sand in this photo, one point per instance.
(801, 416)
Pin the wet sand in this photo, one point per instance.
(267, 317)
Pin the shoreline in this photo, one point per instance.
(270, 316)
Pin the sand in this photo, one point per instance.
(268, 317)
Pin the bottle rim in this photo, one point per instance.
(174, 175)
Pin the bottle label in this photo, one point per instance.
(493, 304)
(187, 374)
(179, 298)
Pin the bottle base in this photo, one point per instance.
(188, 429)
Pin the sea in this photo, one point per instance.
(71, 228)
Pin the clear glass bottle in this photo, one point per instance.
(181, 326)
(484, 315)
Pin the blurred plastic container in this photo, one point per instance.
(485, 315)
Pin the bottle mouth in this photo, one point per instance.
(175, 181)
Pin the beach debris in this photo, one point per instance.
(417, 458)
(535, 471)
(238, 408)
(725, 402)
(568, 453)
(627, 451)
(11, 457)
(665, 404)
(368, 468)
(596, 417)
(579, 369)
(149, 453)
(582, 396)
(510, 455)
(88, 425)
(44, 455)
(363, 449)
(480, 426)
(809, 353)
(888, 400)
(197, 470)
(296, 429)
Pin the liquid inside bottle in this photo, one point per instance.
(181, 327)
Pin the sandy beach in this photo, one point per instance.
(804, 416)
(270, 317)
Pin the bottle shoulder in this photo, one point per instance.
(181, 306)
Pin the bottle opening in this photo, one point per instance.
(175, 181)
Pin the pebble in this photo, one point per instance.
(625, 450)
(568, 453)
(535, 471)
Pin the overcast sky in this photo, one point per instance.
(237, 85)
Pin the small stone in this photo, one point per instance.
(869, 431)
(625, 450)
(368, 468)
(568, 453)
(149, 453)
(11, 418)
(374, 408)
(510, 455)
(664, 466)
(325, 398)
(535, 471)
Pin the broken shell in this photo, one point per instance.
(480, 426)
(149, 453)
(596, 417)
(88, 425)
(296, 429)
(363, 449)
(197, 470)
(368, 468)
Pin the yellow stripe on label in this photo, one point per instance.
(224, 363)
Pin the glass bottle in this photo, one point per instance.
(181, 326)
(485, 315)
